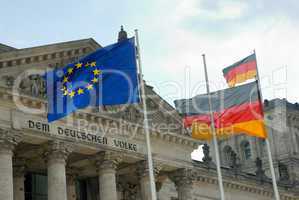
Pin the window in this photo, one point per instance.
(263, 147)
(36, 187)
(227, 151)
(9, 63)
(87, 189)
(53, 55)
(69, 53)
(283, 171)
(246, 151)
(27, 60)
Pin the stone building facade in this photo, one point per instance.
(100, 154)
(282, 127)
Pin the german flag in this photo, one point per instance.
(236, 110)
(240, 71)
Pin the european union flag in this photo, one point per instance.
(107, 76)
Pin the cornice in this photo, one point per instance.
(241, 182)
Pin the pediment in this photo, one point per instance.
(50, 48)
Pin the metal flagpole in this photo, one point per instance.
(275, 188)
(146, 126)
(220, 182)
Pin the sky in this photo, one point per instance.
(173, 36)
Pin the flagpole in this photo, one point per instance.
(146, 126)
(220, 182)
(275, 188)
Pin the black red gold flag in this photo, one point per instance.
(241, 71)
(236, 110)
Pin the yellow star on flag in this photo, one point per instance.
(96, 72)
(89, 86)
(78, 65)
(94, 80)
(87, 64)
(72, 94)
(80, 91)
(65, 93)
(65, 79)
(70, 70)
(93, 64)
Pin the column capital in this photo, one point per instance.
(108, 160)
(183, 180)
(143, 170)
(58, 150)
(9, 139)
(183, 177)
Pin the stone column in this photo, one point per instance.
(183, 180)
(56, 160)
(119, 189)
(107, 163)
(71, 187)
(143, 175)
(8, 140)
(19, 178)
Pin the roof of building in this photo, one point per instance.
(273, 103)
(23, 52)
(5, 48)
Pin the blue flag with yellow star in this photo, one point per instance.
(107, 76)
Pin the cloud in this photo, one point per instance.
(174, 34)
(210, 10)
(274, 38)
(223, 18)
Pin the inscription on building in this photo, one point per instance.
(81, 135)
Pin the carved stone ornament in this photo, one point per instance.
(143, 170)
(106, 160)
(206, 152)
(129, 191)
(8, 140)
(183, 180)
(183, 177)
(33, 85)
(235, 161)
(58, 151)
(122, 35)
(9, 80)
